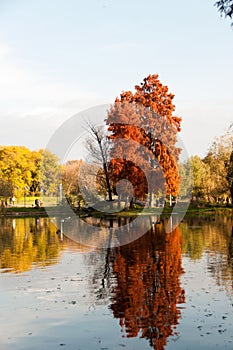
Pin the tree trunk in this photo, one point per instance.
(131, 203)
(150, 199)
(109, 190)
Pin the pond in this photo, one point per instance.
(161, 291)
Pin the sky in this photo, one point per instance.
(59, 58)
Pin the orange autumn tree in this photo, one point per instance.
(144, 134)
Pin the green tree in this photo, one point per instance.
(212, 175)
(200, 175)
(50, 172)
(217, 159)
(186, 178)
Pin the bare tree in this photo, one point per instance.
(98, 146)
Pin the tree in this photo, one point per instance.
(230, 174)
(28, 171)
(212, 175)
(97, 145)
(218, 160)
(35, 173)
(19, 167)
(225, 7)
(6, 189)
(230, 165)
(186, 178)
(145, 118)
(50, 172)
(71, 186)
(200, 175)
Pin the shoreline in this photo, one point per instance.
(15, 212)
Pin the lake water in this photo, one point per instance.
(162, 291)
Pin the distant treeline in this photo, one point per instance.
(212, 175)
(23, 171)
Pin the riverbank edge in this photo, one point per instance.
(17, 212)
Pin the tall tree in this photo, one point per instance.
(97, 145)
(145, 118)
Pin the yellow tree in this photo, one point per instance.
(18, 167)
(218, 161)
(71, 186)
(29, 171)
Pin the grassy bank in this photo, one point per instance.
(19, 211)
(31, 211)
(29, 201)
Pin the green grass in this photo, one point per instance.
(30, 201)
(51, 205)
(30, 211)
(25, 206)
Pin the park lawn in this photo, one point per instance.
(51, 207)
(30, 201)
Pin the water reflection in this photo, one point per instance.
(148, 287)
(140, 283)
(104, 233)
(143, 282)
(142, 279)
(27, 241)
(213, 237)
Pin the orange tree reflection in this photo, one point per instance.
(148, 286)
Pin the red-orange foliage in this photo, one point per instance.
(148, 287)
(143, 130)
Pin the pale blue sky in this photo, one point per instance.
(59, 57)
